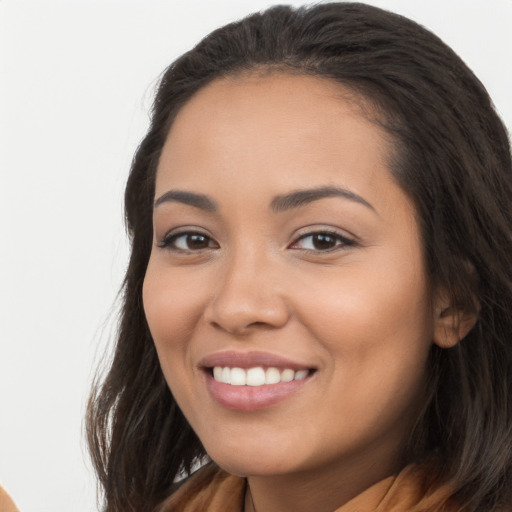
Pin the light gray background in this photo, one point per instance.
(76, 80)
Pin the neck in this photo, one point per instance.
(326, 487)
(319, 490)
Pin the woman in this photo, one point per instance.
(319, 295)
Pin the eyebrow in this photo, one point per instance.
(279, 204)
(200, 201)
(303, 197)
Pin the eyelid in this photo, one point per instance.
(341, 237)
(343, 240)
(174, 234)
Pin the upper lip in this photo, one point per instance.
(234, 359)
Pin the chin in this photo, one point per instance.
(246, 468)
(253, 461)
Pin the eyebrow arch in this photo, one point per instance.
(303, 197)
(200, 201)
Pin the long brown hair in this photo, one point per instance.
(452, 157)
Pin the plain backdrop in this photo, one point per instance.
(76, 82)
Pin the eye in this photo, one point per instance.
(322, 241)
(189, 241)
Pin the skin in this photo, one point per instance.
(361, 313)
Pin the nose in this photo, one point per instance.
(247, 296)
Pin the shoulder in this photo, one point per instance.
(209, 489)
(6, 503)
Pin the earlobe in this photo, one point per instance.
(452, 323)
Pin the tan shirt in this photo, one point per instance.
(213, 490)
(6, 504)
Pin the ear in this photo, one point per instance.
(452, 321)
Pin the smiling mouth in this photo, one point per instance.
(248, 382)
(256, 376)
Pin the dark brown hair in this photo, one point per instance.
(452, 156)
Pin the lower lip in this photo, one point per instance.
(252, 398)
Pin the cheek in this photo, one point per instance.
(370, 316)
(375, 327)
(172, 308)
(377, 341)
(171, 303)
(369, 297)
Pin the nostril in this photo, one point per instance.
(258, 324)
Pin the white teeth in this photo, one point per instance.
(287, 375)
(238, 377)
(217, 374)
(272, 376)
(301, 374)
(226, 375)
(256, 376)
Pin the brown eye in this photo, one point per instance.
(195, 242)
(188, 242)
(322, 242)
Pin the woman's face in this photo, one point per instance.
(284, 249)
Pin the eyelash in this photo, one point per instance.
(341, 242)
(170, 239)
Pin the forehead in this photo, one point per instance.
(254, 136)
(279, 90)
(278, 100)
(268, 111)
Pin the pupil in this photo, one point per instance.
(197, 242)
(323, 241)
